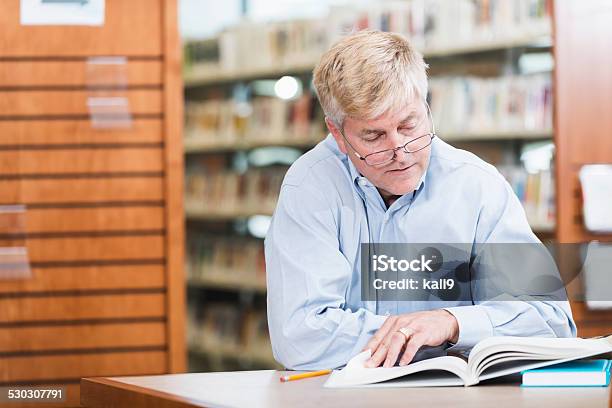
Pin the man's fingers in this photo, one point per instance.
(401, 323)
(414, 344)
(380, 334)
(379, 356)
(395, 347)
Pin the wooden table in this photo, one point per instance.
(263, 389)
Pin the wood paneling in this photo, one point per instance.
(173, 106)
(148, 274)
(71, 366)
(46, 103)
(14, 74)
(105, 392)
(82, 336)
(82, 190)
(57, 220)
(62, 308)
(81, 161)
(130, 28)
(583, 125)
(76, 132)
(103, 219)
(583, 102)
(93, 248)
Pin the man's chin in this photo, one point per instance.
(405, 188)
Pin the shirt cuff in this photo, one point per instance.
(474, 325)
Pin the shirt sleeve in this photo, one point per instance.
(308, 278)
(503, 220)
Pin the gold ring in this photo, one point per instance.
(407, 332)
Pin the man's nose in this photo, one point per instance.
(396, 140)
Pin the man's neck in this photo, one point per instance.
(389, 199)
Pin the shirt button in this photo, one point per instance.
(363, 182)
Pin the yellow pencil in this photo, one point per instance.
(286, 378)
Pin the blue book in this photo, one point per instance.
(580, 373)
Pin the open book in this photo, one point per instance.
(490, 358)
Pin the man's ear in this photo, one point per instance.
(336, 134)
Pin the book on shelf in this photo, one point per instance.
(228, 261)
(229, 192)
(216, 323)
(430, 24)
(508, 104)
(225, 329)
(204, 53)
(255, 335)
(491, 358)
(262, 119)
(251, 46)
(535, 191)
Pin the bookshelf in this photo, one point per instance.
(220, 136)
(198, 75)
(248, 356)
(196, 145)
(223, 280)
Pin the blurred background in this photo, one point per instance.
(251, 110)
(143, 144)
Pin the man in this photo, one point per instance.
(383, 176)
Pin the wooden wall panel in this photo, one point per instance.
(96, 248)
(173, 108)
(72, 366)
(131, 28)
(82, 161)
(63, 308)
(96, 276)
(54, 133)
(82, 336)
(135, 219)
(82, 190)
(583, 125)
(103, 217)
(47, 103)
(58, 220)
(78, 73)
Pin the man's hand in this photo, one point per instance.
(431, 328)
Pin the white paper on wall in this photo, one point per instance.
(596, 181)
(62, 12)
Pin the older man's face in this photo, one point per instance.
(402, 174)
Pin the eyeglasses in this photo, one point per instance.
(388, 155)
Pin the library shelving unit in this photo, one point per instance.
(207, 75)
(217, 220)
(583, 126)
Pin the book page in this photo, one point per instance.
(513, 354)
(356, 374)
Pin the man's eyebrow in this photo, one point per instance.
(365, 132)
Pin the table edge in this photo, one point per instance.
(104, 391)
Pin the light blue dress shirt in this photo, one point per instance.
(326, 209)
